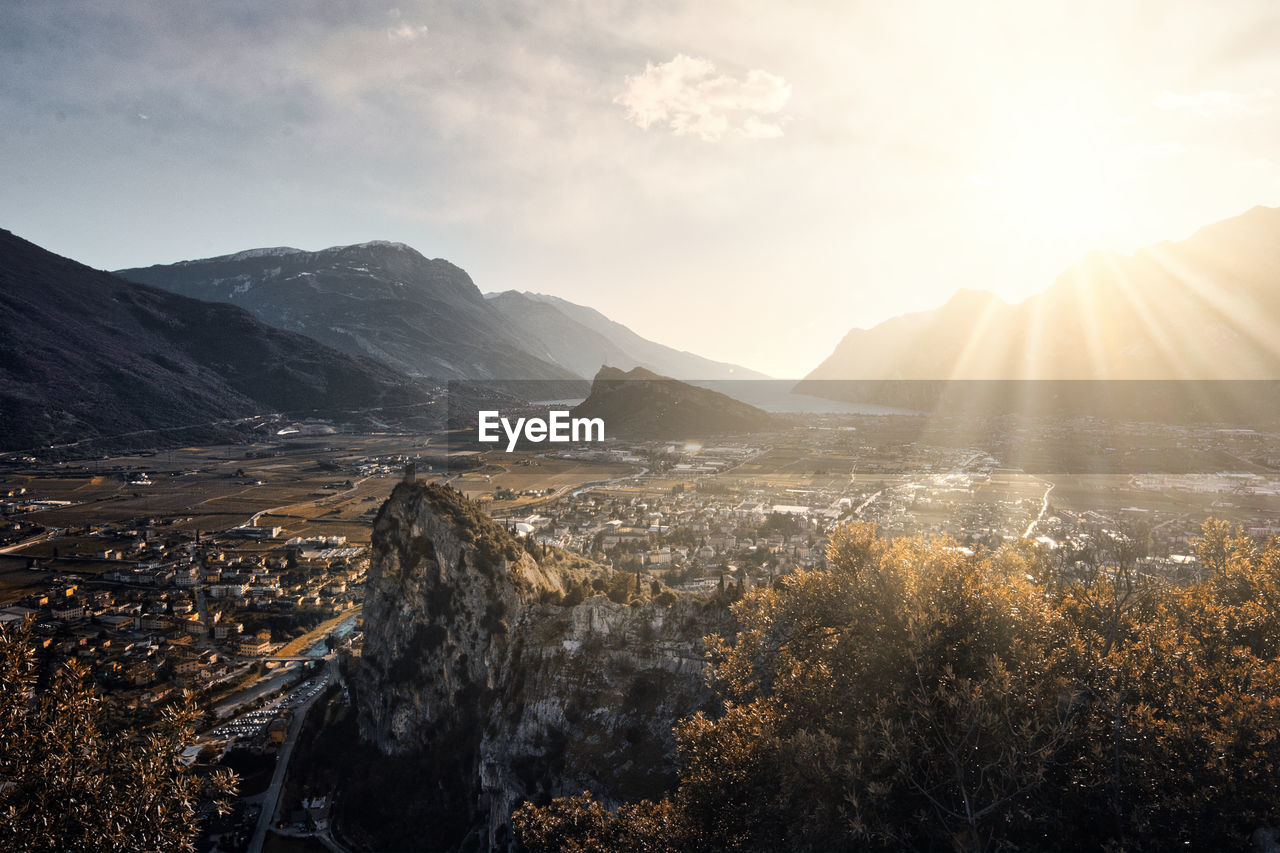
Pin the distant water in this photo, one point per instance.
(774, 395)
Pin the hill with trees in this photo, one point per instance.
(641, 404)
(915, 696)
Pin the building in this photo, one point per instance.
(253, 646)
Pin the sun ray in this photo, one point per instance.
(1237, 311)
(1173, 361)
(965, 366)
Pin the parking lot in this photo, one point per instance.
(253, 723)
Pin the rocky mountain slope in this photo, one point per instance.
(86, 354)
(1207, 307)
(489, 677)
(382, 300)
(641, 404)
(582, 339)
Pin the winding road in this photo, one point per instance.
(1044, 507)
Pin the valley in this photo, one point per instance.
(204, 568)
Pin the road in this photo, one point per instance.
(560, 492)
(595, 484)
(277, 679)
(299, 645)
(260, 688)
(865, 503)
(34, 540)
(577, 489)
(271, 801)
(157, 431)
(870, 498)
(1044, 507)
(253, 520)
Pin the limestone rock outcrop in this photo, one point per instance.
(474, 664)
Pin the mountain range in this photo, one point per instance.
(1206, 308)
(86, 354)
(424, 317)
(581, 340)
(382, 300)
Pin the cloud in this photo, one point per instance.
(406, 32)
(689, 97)
(754, 128)
(1217, 102)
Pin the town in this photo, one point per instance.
(749, 512)
(234, 574)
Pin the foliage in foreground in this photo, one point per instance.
(917, 697)
(68, 785)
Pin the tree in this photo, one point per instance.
(66, 784)
(914, 696)
(574, 595)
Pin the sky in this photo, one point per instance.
(745, 180)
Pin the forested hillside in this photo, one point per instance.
(918, 697)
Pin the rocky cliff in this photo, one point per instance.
(489, 677)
